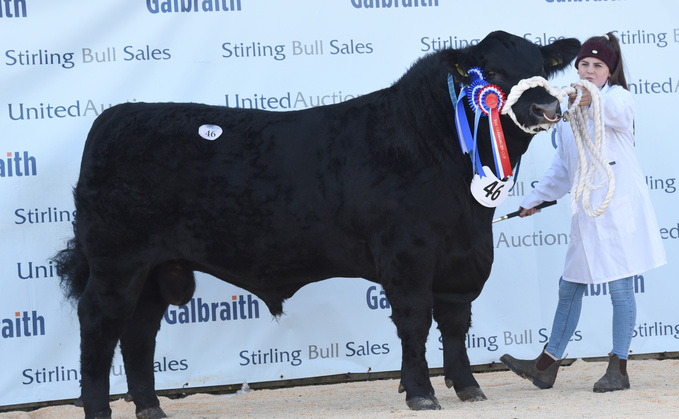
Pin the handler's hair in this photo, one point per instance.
(617, 73)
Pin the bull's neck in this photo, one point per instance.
(427, 102)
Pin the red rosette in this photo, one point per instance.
(491, 97)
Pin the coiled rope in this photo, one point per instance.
(583, 182)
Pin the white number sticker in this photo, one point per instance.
(210, 132)
(489, 190)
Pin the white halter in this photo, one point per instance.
(583, 183)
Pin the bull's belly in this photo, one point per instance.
(258, 255)
(275, 272)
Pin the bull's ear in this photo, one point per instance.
(455, 61)
(559, 54)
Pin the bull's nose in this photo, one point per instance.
(551, 112)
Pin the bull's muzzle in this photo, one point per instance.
(549, 113)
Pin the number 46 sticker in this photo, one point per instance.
(489, 190)
(209, 131)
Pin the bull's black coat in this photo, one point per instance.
(375, 187)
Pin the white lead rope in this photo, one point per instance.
(583, 182)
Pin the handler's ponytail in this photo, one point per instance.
(617, 73)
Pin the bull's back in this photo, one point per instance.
(264, 188)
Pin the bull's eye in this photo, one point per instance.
(490, 75)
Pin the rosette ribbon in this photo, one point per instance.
(491, 100)
(485, 100)
(467, 140)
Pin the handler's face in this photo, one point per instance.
(593, 70)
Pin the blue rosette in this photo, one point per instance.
(475, 73)
(473, 93)
(477, 83)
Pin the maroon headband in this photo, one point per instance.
(598, 50)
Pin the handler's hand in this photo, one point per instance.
(526, 212)
(585, 100)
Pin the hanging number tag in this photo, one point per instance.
(489, 190)
(210, 132)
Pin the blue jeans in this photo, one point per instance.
(568, 313)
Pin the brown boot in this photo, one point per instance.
(541, 371)
(616, 377)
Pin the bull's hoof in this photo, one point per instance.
(151, 413)
(401, 389)
(78, 402)
(471, 394)
(424, 403)
(104, 414)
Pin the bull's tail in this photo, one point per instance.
(73, 268)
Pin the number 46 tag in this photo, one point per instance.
(210, 132)
(489, 190)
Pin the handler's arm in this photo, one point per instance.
(617, 105)
(554, 184)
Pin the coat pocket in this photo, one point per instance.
(618, 220)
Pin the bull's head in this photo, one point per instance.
(507, 59)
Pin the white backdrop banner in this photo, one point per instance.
(62, 63)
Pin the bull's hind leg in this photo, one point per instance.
(168, 283)
(107, 302)
(138, 345)
(454, 320)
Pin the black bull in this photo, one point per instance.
(376, 187)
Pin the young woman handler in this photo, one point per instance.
(622, 242)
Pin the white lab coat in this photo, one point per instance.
(624, 240)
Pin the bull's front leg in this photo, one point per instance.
(454, 320)
(411, 313)
(406, 273)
